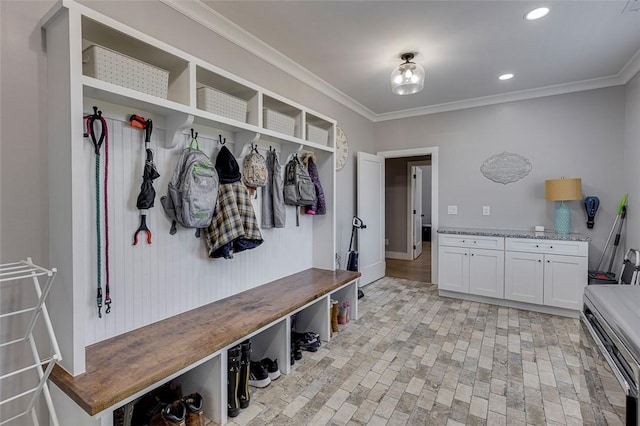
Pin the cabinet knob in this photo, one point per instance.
(475, 242)
(548, 261)
(537, 246)
(465, 254)
(463, 241)
(539, 261)
(472, 254)
(550, 246)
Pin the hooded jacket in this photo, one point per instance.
(234, 227)
(319, 207)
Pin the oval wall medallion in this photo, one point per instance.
(506, 167)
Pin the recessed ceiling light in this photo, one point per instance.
(507, 76)
(536, 13)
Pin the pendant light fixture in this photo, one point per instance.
(408, 77)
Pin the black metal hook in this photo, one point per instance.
(222, 140)
(194, 136)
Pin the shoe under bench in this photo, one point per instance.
(191, 347)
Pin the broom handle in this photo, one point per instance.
(604, 251)
(623, 203)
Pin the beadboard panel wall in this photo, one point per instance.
(173, 274)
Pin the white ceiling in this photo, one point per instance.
(463, 46)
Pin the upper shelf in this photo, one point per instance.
(232, 103)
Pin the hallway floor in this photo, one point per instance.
(416, 358)
(415, 270)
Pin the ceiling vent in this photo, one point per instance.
(632, 6)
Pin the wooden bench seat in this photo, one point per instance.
(120, 367)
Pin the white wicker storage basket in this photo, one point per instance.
(113, 67)
(317, 134)
(279, 122)
(217, 102)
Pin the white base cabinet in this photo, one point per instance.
(542, 272)
(465, 269)
(564, 280)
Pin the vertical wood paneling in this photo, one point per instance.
(173, 274)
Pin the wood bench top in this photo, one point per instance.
(119, 367)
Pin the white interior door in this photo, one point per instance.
(416, 185)
(370, 208)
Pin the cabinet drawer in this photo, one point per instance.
(473, 241)
(571, 248)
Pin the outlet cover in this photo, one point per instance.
(452, 209)
(486, 210)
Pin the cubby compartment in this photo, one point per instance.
(272, 343)
(348, 294)
(279, 117)
(223, 96)
(207, 379)
(314, 317)
(129, 50)
(319, 130)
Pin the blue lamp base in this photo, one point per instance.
(563, 219)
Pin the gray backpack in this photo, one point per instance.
(193, 190)
(299, 190)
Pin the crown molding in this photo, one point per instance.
(209, 18)
(560, 89)
(630, 69)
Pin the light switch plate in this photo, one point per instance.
(486, 210)
(452, 209)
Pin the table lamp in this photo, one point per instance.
(564, 189)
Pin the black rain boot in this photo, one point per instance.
(233, 380)
(245, 362)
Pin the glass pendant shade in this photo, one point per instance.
(408, 77)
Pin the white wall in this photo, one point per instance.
(631, 177)
(573, 135)
(23, 171)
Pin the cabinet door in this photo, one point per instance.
(453, 269)
(486, 273)
(564, 280)
(523, 277)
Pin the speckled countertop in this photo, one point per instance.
(512, 233)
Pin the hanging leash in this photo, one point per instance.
(97, 144)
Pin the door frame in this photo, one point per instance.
(410, 201)
(417, 152)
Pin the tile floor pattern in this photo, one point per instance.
(415, 358)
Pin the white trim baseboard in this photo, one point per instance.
(397, 255)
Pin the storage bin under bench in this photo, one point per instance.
(124, 367)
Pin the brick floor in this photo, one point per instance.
(415, 358)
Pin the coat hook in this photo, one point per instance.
(222, 140)
(194, 136)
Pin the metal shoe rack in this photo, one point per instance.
(12, 277)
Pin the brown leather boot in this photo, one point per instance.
(193, 404)
(171, 415)
(334, 316)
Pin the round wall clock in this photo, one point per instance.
(342, 148)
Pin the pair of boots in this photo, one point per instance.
(334, 317)
(183, 412)
(238, 363)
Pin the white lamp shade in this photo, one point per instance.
(407, 79)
